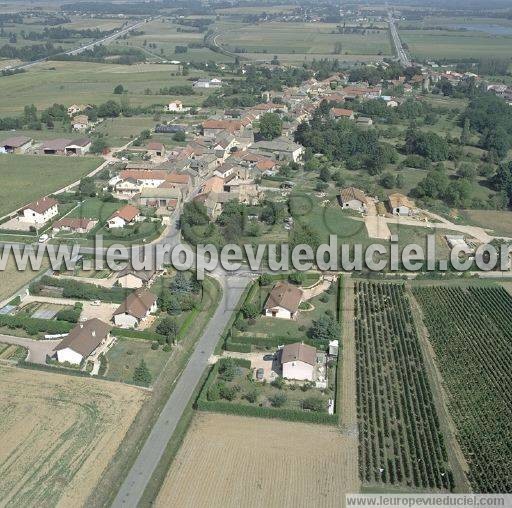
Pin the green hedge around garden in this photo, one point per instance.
(233, 408)
(81, 290)
(33, 326)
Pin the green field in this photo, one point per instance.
(427, 44)
(88, 83)
(27, 177)
(121, 130)
(166, 36)
(302, 39)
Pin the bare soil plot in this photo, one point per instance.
(58, 434)
(231, 461)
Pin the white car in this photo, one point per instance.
(43, 238)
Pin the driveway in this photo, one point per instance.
(271, 368)
(103, 311)
(37, 349)
(376, 226)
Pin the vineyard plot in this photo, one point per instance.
(400, 441)
(471, 332)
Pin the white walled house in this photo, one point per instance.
(175, 106)
(283, 301)
(137, 307)
(83, 341)
(298, 361)
(41, 211)
(126, 215)
(400, 204)
(353, 199)
(134, 279)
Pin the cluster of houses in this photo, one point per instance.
(88, 339)
(351, 198)
(40, 212)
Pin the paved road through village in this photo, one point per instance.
(133, 487)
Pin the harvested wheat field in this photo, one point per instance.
(232, 461)
(58, 434)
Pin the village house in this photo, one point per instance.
(80, 122)
(353, 199)
(181, 181)
(283, 301)
(41, 211)
(135, 309)
(17, 144)
(125, 216)
(208, 83)
(298, 361)
(400, 204)
(156, 149)
(212, 128)
(337, 113)
(175, 107)
(161, 197)
(83, 341)
(364, 120)
(132, 181)
(280, 148)
(134, 279)
(80, 226)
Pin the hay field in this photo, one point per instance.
(13, 279)
(303, 39)
(58, 435)
(231, 461)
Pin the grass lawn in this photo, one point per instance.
(94, 208)
(274, 327)
(87, 83)
(126, 355)
(119, 131)
(293, 393)
(27, 177)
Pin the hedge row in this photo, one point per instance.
(276, 341)
(291, 415)
(59, 370)
(237, 347)
(35, 325)
(137, 334)
(81, 290)
(266, 412)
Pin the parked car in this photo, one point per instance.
(43, 238)
(96, 303)
(259, 374)
(269, 358)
